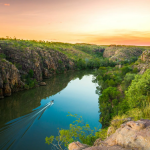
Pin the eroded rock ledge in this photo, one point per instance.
(133, 135)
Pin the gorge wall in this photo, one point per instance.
(122, 52)
(16, 64)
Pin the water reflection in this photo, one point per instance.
(19, 113)
(24, 102)
(16, 129)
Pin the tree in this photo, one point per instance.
(139, 90)
(77, 131)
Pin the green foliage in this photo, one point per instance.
(127, 80)
(59, 61)
(109, 94)
(31, 73)
(112, 85)
(135, 70)
(26, 86)
(102, 133)
(2, 55)
(18, 65)
(125, 70)
(49, 140)
(139, 90)
(77, 131)
(108, 103)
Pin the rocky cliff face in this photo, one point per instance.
(9, 78)
(143, 62)
(133, 135)
(15, 65)
(115, 52)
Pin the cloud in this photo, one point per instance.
(7, 4)
(120, 38)
(125, 39)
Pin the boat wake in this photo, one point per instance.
(17, 128)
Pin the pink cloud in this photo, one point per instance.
(7, 4)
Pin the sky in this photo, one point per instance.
(103, 22)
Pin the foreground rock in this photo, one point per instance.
(79, 146)
(133, 135)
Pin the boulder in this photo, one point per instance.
(133, 134)
(42, 83)
(77, 146)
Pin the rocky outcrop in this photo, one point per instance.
(9, 78)
(109, 51)
(133, 135)
(143, 62)
(78, 146)
(118, 52)
(114, 125)
(17, 64)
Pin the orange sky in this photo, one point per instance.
(90, 21)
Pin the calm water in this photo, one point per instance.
(27, 117)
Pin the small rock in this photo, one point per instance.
(138, 125)
(77, 146)
(42, 83)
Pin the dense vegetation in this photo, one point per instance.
(122, 92)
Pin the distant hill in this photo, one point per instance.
(123, 52)
(143, 63)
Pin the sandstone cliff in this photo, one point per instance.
(15, 65)
(118, 52)
(133, 135)
(143, 62)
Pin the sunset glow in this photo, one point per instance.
(89, 21)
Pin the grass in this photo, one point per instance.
(72, 51)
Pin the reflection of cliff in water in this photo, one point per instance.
(24, 102)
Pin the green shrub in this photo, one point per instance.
(2, 55)
(77, 131)
(31, 73)
(139, 90)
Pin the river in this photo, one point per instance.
(27, 117)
